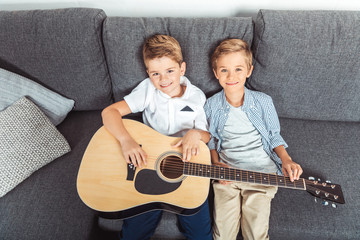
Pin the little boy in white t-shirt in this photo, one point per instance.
(172, 106)
(172, 116)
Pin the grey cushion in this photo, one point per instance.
(28, 142)
(327, 150)
(124, 38)
(308, 61)
(14, 86)
(61, 49)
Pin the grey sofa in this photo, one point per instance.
(308, 61)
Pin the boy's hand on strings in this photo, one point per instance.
(190, 144)
(291, 169)
(133, 153)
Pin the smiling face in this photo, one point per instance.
(232, 69)
(165, 74)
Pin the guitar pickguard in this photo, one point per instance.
(157, 186)
(130, 172)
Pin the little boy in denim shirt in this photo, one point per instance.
(245, 133)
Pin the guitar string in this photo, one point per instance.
(175, 165)
(202, 170)
(217, 169)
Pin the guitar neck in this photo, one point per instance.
(238, 175)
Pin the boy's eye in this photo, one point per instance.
(170, 71)
(223, 70)
(238, 69)
(155, 74)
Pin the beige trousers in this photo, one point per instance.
(242, 204)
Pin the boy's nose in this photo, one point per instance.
(163, 77)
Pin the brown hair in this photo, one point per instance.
(158, 46)
(231, 46)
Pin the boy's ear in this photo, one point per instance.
(215, 73)
(250, 71)
(183, 68)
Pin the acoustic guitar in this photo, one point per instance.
(116, 189)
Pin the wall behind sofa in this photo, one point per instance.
(183, 8)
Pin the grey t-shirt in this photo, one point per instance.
(242, 146)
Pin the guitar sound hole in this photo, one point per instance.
(172, 167)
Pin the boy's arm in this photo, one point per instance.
(214, 156)
(190, 141)
(112, 120)
(289, 167)
(277, 143)
(273, 123)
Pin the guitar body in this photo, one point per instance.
(107, 184)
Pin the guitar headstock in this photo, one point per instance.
(325, 190)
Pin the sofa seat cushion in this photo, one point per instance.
(46, 205)
(330, 151)
(308, 61)
(60, 49)
(125, 36)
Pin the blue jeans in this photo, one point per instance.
(141, 227)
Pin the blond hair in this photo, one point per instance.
(231, 46)
(158, 46)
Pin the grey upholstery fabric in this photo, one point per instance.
(14, 86)
(28, 142)
(308, 61)
(60, 49)
(124, 38)
(47, 205)
(327, 150)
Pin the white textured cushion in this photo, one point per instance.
(14, 86)
(28, 142)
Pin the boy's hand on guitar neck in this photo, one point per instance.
(291, 169)
(133, 153)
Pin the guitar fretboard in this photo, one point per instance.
(238, 175)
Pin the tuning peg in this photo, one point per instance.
(328, 181)
(311, 178)
(334, 205)
(325, 203)
(316, 200)
(319, 179)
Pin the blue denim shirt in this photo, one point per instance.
(261, 112)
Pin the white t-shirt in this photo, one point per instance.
(169, 116)
(242, 146)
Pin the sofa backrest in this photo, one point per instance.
(309, 62)
(60, 49)
(124, 37)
